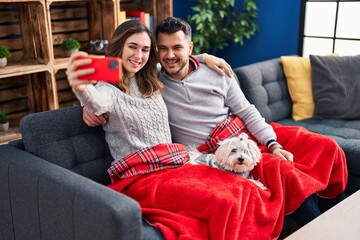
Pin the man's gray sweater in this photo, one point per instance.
(204, 99)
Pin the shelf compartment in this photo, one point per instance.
(25, 94)
(160, 10)
(81, 20)
(23, 30)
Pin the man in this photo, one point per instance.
(198, 98)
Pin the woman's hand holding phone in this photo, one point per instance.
(107, 69)
(74, 74)
(84, 69)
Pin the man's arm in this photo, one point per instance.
(93, 120)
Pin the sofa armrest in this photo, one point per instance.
(40, 200)
(18, 143)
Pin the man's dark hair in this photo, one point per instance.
(171, 25)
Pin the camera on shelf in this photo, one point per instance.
(98, 46)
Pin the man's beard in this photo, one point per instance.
(180, 69)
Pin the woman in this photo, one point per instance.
(137, 113)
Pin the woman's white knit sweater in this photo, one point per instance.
(133, 123)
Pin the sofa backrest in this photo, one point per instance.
(61, 137)
(264, 85)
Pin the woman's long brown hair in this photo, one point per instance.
(147, 78)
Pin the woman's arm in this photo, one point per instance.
(95, 101)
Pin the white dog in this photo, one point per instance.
(237, 155)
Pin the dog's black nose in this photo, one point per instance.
(240, 160)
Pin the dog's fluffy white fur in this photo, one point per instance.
(237, 155)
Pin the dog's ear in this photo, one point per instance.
(254, 151)
(219, 153)
(222, 153)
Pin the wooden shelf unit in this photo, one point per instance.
(34, 79)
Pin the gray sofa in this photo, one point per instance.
(264, 84)
(53, 181)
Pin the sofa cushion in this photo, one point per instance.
(298, 75)
(61, 137)
(258, 80)
(336, 86)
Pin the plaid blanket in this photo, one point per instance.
(232, 126)
(149, 159)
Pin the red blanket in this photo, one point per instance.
(200, 202)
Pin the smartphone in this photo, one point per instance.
(107, 69)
